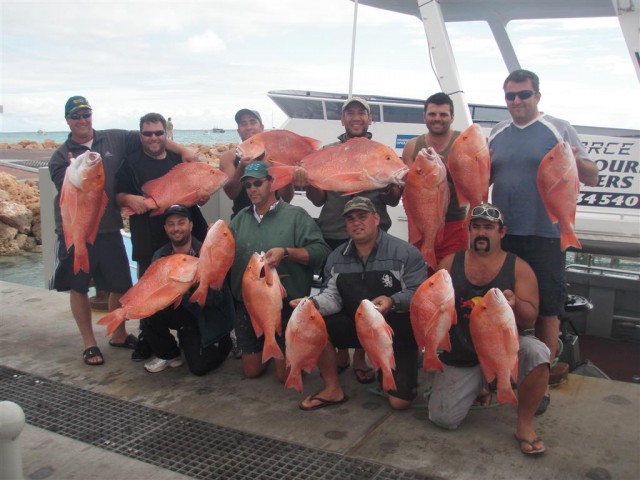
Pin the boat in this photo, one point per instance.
(218, 130)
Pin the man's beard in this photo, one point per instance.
(180, 243)
(486, 240)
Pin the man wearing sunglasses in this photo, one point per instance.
(438, 117)
(517, 148)
(292, 243)
(474, 271)
(109, 267)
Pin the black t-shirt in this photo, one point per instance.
(147, 232)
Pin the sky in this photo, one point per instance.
(199, 61)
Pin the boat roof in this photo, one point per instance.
(504, 10)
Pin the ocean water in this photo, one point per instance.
(185, 137)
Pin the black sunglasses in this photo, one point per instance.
(257, 184)
(78, 116)
(157, 133)
(523, 94)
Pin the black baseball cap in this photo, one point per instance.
(177, 210)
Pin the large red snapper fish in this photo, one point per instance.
(357, 165)
(82, 204)
(216, 257)
(163, 283)
(262, 294)
(495, 338)
(470, 167)
(184, 184)
(559, 186)
(425, 200)
(376, 337)
(433, 311)
(306, 336)
(282, 146)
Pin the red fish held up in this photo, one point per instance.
(163, 283)
(495, 338)
(281, 146)
(425, 200)
(433, 311)
(216, 257)
(82, 204)
(262, 294)
(559, 186)
(306, 336)
(376, 337)
(357, 165)
(184, 184)
(470, 167)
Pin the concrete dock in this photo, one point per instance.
(117, 421)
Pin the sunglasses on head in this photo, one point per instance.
(523, 94)
(78, 116)
(157, 133)
(256, 183)
(486, 211)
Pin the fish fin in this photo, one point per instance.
(388, 382)
(505, 393)
(94, 228)
(282, 176)
(415, 235)
(283, 292)
(445, 343)
(432, 363)
(177, 302)
(313, 143)
(188, 199)
(113, 320)
(271, 350)
(294, 380)
(80, 258)
(568, 238)
(200, 295)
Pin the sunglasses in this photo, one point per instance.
(78, 116)
(487, 211)
(257, 184)
(157, 133)
(522, 94)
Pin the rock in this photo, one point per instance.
(10, 247)
(36, 228)
(30, 245)
(7, 232)
(25, 193)
(21, 239)
(16, 215)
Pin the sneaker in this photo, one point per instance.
(158, 364)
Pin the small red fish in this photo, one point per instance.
(425, 200)
(163, 283)
(470, 167)
(495, 338)
(376, 337)
(216, 257)
(306, 336)
(433, 311)
(82, 204)
(559, 186)
(262, 294)
(184, 184)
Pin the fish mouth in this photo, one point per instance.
(93, 158)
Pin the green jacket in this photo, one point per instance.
(284, 226)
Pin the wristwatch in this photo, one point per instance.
(286, 252)
(393, 305)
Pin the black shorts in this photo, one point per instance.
(109, 266)
(342, 332)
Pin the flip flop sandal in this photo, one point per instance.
(92, 352)
(361, 375)
(323, 403)
(534, 451)
(130, 342)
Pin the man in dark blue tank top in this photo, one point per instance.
(484, 265)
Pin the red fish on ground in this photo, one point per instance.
(470, 167)
(262, 294)
(306, 336)
(376, 337)
(216, 257)
(432, 312)
(354, 166)
(184, 184)
(163, 283)
(425, 200)
(495, 338)
(82, 204)
(282, 146)
(559, 186)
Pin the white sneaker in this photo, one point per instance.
(158, 364)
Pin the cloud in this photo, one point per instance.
(207, 42)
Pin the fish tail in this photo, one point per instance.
(388, 382)
(113, 320)
(505, 393)
(80, 258)
(568, 239)
(294, 380)
(432, 363)
(282, 176)
(271, 350)
(200, 295)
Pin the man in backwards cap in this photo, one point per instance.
(109, 267)
(484, 265)
(292, 243)
(387, 271)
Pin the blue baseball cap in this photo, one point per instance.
(257, 169)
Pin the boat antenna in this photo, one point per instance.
(353, 46)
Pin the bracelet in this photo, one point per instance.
(286, 252)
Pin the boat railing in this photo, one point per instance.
(603, 271)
